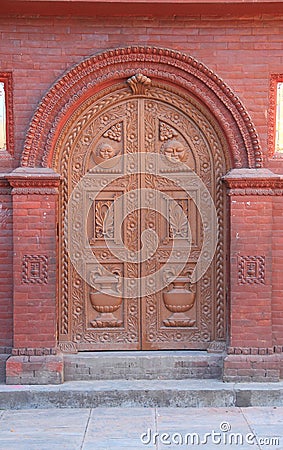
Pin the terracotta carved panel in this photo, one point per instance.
(141, 167)
(251, 269)
(35, 269)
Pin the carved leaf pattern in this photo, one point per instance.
(178, 220)
(139, 83)
(104, 219)
(132, 231)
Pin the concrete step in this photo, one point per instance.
(144, 393)
(143, 365)
(3, 359)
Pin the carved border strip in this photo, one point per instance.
(120, 63)
(5, 350)
(34, 190)
(28, 351)
(255, 350)
(34, 181)
(6, 78)
(274, 79)
(272, 185)
(5, 188)
(252, 191)
(67, 347)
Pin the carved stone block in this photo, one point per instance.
(35, 269)
(251, 270)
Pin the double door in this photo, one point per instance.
(141, 268)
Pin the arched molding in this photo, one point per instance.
(110, 67)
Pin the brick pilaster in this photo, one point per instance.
(252, 193)
(35, 197)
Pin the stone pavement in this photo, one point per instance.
(141, 428)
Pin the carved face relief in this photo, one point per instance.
(174, 151)
(105, 151)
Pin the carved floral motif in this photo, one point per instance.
(166, 132)
(115, 132)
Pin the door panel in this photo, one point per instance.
(165, 143)
(173, 317)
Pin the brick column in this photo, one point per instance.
(6, 274)
(252, 355)
(34, 357)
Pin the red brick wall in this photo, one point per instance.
(6, 270)
(242, 51)
(277, 270)
(251, 307)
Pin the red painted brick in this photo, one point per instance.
(244, 51)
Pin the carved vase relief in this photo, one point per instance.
(105, 301)
(103, 305)
(179, 300)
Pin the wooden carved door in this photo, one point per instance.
(142, 204)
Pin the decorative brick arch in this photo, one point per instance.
(99, 71)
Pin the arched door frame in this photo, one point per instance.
(103, 70)
(98, 71)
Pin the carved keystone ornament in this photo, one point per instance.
(139, 84)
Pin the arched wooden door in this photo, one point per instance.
(109, 295)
